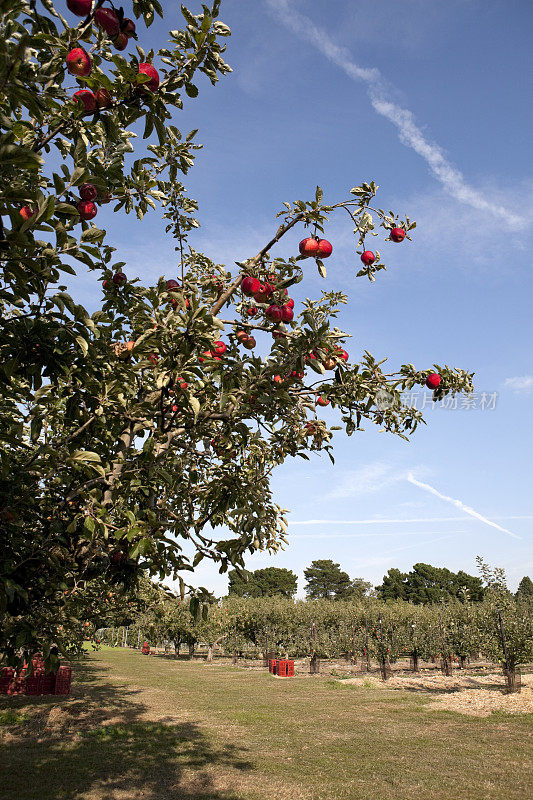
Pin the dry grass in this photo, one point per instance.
(152, 728)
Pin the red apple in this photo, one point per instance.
(433, 380)
(249, 342)
(80, 7)
(120, 41)
(329, 363)
(322, 401)
(368, 258)
(148, 69)
(308, 247)
(79, 62)
(340, 353)
(250, 286)
(287, 314)
(325, 248)
(27, 212)
(87, 209)
(241, 336)
(117, 557)
(265, 290)
(86, 97)
(182, 384)
(220, 348)
(88, 191)
(103, 98)
(310, 428)
(107, 19)
(290, 303)
(128, 27)
(173, 286)
(252, 312)
(397, 234)
(119, 279)
(273, 313)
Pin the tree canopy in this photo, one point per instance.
(325, 579)
(129, 432)
(525, 589)
(428, 584)
(265, 582)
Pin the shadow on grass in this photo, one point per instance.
(97, 744)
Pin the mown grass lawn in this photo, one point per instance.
(147, 727)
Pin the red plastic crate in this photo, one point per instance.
(290, 669)
(282, 668)
(6, 677)
(63, 680)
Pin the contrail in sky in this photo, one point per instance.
(409, 133)
(459, 504)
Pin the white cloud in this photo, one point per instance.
(409, 132)
(459, 504)
(520, 384)
(370, 478)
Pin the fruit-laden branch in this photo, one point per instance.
(282, 230)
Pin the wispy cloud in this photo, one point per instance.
(520, 384)
(369, 478)
(409, 132)
(389, 521)
(459, 504)
(373, 534)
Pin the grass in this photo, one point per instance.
(151, 728)
(10, 717)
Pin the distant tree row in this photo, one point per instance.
(326, 580)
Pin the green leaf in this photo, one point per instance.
(85, 455)
(83, 344)
(195, 405)
(77, 176)
(92, 235)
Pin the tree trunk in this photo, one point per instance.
(386, 671)
(191, 650)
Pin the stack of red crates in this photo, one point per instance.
(40, 682)
(283, 668)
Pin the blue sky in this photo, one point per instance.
(426, 99)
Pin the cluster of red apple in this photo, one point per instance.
(263, 293)
(120, 29)
(313, 246)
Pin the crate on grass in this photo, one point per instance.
(63, 680)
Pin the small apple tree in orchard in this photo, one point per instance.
(129, 433)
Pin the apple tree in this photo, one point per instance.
(129, 433)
